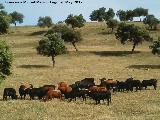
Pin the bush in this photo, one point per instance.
(4, 24)
(156, 47)
(5, 60)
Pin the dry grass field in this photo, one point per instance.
(100, 55)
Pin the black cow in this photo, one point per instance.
(121, 86)
(151, 82)
(24, 90)
(131, 83)
(85, 83)
(11, 92)
(38, 92)
(97, 96)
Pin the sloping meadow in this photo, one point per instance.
(100, 55)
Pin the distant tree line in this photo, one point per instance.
(7, 19)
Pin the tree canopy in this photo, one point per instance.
(75, 21)
(52, 45)
(132, 34)
(138, 12)
(68, 34)
(45, 21)
(112, 23)
(130, 14)
(17, 18)
(101, 14)
(151, 21)
(122, 15)
(1, 6)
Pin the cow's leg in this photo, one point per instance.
(70, 100)
(155, 86)
(145, 87)
(24, 96)
(136, 88)
(97, 102)
(84, 98)
(108, 100)
(4, 97)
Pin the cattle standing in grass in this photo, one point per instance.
(67, 91)
(78, 92)
(51, 94)
(109, 84)
(24, 90)
(71, 91)
(38, 92)
(99, 93)
(101, 96)
(121, 86)
(11, 92)
(85, 83)
(151, 82)
(131, 83)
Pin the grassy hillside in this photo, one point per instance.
(100, 55)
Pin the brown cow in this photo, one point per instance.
(68, 92)
(97, 89)
(64, 88)
(109, 84)
(51, 94)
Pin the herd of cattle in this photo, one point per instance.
(85, 88)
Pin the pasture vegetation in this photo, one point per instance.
(100, 55)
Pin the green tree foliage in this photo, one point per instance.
(60, 22)
(4, 24)
(125, 15)
(138, 12)
(17, 18)
(1, 6)
(68, 34)
(3, 13)
(101, 14)
(129, 15)
(59, 28)
(75, 21)
(72, 37)
(121, 14)
(132, 34)
(109, 14)
(52, 45)
(151, 21)
(5, 59)
(112, 23)
(5, 20)
(98, 15)
(156, 47)
(45, 21)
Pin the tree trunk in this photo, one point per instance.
(73, 43)
(112, 30)
(53, 60)
(134, 45)
(15, 24)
